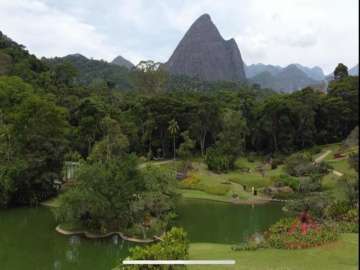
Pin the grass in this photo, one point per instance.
(341, 165)
(340, 255)
(197, 194)
(221, 187)
(53, 202)
(211, 186)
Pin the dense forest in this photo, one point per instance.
(54, 110)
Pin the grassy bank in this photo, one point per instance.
(340, 255)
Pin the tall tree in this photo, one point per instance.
(173, 130)
(341, 71)
(149, 77)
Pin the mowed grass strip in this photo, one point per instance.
(340, 255)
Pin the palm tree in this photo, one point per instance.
(173, 130)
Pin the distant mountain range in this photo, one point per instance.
(96, 72)
(354, 71)
(287, 79)
(121, 61)
(202, 54)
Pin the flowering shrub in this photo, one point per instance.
(299, 233)
(189, 182)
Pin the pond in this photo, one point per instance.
(28, 239)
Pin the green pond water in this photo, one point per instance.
(28, 239)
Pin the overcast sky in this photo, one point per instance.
(278, 32)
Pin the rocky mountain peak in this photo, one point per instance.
(204, 53)
(121, 61)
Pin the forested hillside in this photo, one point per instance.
(52, 111)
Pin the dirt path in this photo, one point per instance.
(320, 158)
(337, 173)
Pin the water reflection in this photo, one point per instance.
(28, 233)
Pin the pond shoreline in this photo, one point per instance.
(106, 235)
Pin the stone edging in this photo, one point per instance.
(101, 236)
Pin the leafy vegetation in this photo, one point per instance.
(174, 246)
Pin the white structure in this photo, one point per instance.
(70, 168)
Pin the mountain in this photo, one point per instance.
(288, 79)
(354, 71)
(95, 72)
(204, 54)
(315, 73)
(256, 69)
(121, 61)
(15, 60)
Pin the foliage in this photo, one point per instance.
(254, 242)
(301, 164)
(102, 198)
(185, 150)
(173, 246)
(173, 130)
(149, 77)
(114, 195)
(310, 184)
(54, 106)
(315, 204)
(32, 143)
(349, 183)
(341, 71)
(286, 180)
(354, 161)
(114, 143)
(276, 162)
(190, 182)
(349, 222)
(217, 161)
(285, 235)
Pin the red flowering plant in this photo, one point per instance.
(299, 232)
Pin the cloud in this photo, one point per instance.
(47, 31)
(279, 32)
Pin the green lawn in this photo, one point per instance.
(211, 184)
(340, 255)
(197, 194)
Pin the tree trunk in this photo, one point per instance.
(174, 147)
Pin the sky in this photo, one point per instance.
(278, 32)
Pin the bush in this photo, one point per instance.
(301, 164)
(316, 205)
(254, 242)
(276, 162)
(345, 218)
(174, 246)
(251, 157)
(337, 210)
(350, 185)
(298, 164)
(218, 161)
(354, 161)
(286, 180)
(288, 234)
(189, 182)
(310, 184)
